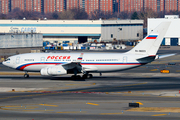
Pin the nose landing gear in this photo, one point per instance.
(26, 75)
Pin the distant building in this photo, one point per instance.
(172, 36)
(36, 5)
(49, 6)
(150, 4)
(106, 6)
(29, 5)
(155, 5)
(76, 31)
(71, 4)
(60, 5)
(5, 6)
(91, 6)
(46, 6)
(171, 5)
(131, 5)
(18, 4)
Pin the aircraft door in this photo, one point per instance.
(42, 59)
(17, 60)
(125, 59)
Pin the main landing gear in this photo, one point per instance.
(26, 75)
(85, 76)
(75, 76)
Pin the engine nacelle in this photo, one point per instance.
(52, 71)
(44, 71)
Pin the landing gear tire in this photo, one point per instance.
(85, 76)
(90, 76)
(75, 76)
(26, 75)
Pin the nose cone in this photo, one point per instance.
(4, 63)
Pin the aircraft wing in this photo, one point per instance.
(74, 64)
(77, 65)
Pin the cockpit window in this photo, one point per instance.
(7, 59)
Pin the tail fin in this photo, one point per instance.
(150, 44)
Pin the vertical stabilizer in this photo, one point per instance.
(150, 44)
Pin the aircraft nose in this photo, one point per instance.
(3, 62)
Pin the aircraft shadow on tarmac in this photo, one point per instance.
(135, 84)
(145, 87)
(96, 78)
(40, 78)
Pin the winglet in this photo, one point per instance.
(79, 59)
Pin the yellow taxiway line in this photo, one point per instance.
(72, 112)
(49, 105)
(159, 114)
(17, 73)
(92, 104)
(36, 110)
(154, 70)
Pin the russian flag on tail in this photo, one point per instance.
(152, 37)
(80, 57)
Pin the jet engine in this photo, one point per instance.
(52, 71)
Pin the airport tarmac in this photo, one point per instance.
(102, 97)
(99, 98)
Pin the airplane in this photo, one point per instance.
(56, 64)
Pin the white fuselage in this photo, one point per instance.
(92, 62)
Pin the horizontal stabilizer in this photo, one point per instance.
(164, 56)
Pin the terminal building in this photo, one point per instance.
(172, 36)
(77, 31)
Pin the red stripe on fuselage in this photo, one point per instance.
(111, 64)
(151, 37)
(24, 66)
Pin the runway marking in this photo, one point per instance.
(36, 110)
(17, 73)
(79, 84)
(168, 96)
(177, 70)
(92, 104)
(156, 109)
(158, 114)
(154, 70)
(175, 60)
(136, 95)
(132, 84)
(140, 103)
(72, 112)
(18, 108)
(49, 105)
(70, 91)
(13, 106)
(111, 113)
